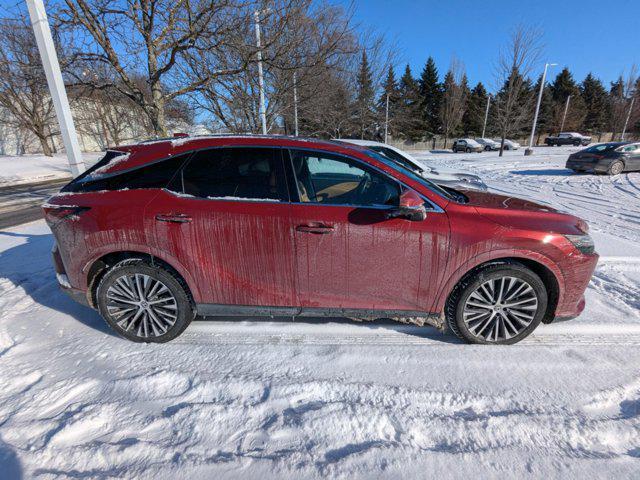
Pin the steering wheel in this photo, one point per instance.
(363, 186)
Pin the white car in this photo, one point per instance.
(488, 144)
(439, 176)
(508, 144)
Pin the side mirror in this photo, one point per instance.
(411, 207)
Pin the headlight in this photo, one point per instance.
(584, 243)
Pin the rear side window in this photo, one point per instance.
(235, 173)
(155, 175)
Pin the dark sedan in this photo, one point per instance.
(611, 158)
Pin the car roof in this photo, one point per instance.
(364, 143)
(142, 153)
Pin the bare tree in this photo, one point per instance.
(513, 103)
(454, 100)
(154, 40)
(622, 91)
(23, 86)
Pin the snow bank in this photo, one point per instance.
(15, 170)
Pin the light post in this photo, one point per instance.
(564, 115)
(263, 113)
(529, 151)
(51, 67)
(295, 103)
(626, 122)
(486, 115)
(386, 119)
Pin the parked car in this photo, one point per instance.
(441, 176)
(568, 138)
(611, 158)
(488, 144)
(156, 233)
(466, 145)
(508, 144)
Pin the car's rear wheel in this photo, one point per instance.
(500, 304)
(144, 303)
(615, 168)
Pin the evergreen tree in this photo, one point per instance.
(596, 102)
(430, 98)
(562, 87)
(473, 118)
(390, 89)
(364, 105)
(408, 119)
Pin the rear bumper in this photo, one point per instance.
(63, 280)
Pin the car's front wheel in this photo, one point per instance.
(500, 304)
(143, 302)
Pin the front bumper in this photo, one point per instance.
(577, 271)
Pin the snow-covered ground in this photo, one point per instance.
(15, 170)
(331, 398)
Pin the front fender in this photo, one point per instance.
(493, 255)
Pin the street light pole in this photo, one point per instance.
(47, 50)
(564, 115)
(624, 129)
(529, 151)
(486, 115)
(386, 119)
(263, 113)
(295, 103)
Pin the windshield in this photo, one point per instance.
(395, 157)
(603, 147)
(448, 194)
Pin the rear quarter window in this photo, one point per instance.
(155, 175)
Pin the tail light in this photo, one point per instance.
(63, 212)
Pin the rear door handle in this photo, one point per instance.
(319, 228)
(173, 217)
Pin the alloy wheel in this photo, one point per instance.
(141, 305)
(500, 309)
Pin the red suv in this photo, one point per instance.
(158, 232)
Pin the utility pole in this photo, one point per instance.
(486, 115)
(624, 129)
(529, 151)
(49, 58)
(295, 103)
(263, 113)
(564, 115)
(386, 119)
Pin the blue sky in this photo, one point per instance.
(600, 36)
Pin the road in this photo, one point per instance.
(21, 203)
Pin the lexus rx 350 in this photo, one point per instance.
(156, 233)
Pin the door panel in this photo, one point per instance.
(239, 249)
(367, 261)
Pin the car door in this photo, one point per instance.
(349, 256)
(633, 156)
(226, 219)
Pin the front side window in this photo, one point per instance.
(234, 173)
(630, 148)
(335, 180)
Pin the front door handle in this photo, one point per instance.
(173, 217)
(317, 228)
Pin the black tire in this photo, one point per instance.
(182, 301)
(454, 150)
(615, 168)
(576, 144)
(468, 150)
(454, 308)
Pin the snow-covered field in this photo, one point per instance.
(15, 170)
(331, 398)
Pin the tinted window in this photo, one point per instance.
(630, 148)
(604, 147)
(155, 175)
(331, 179)
(252, 173)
